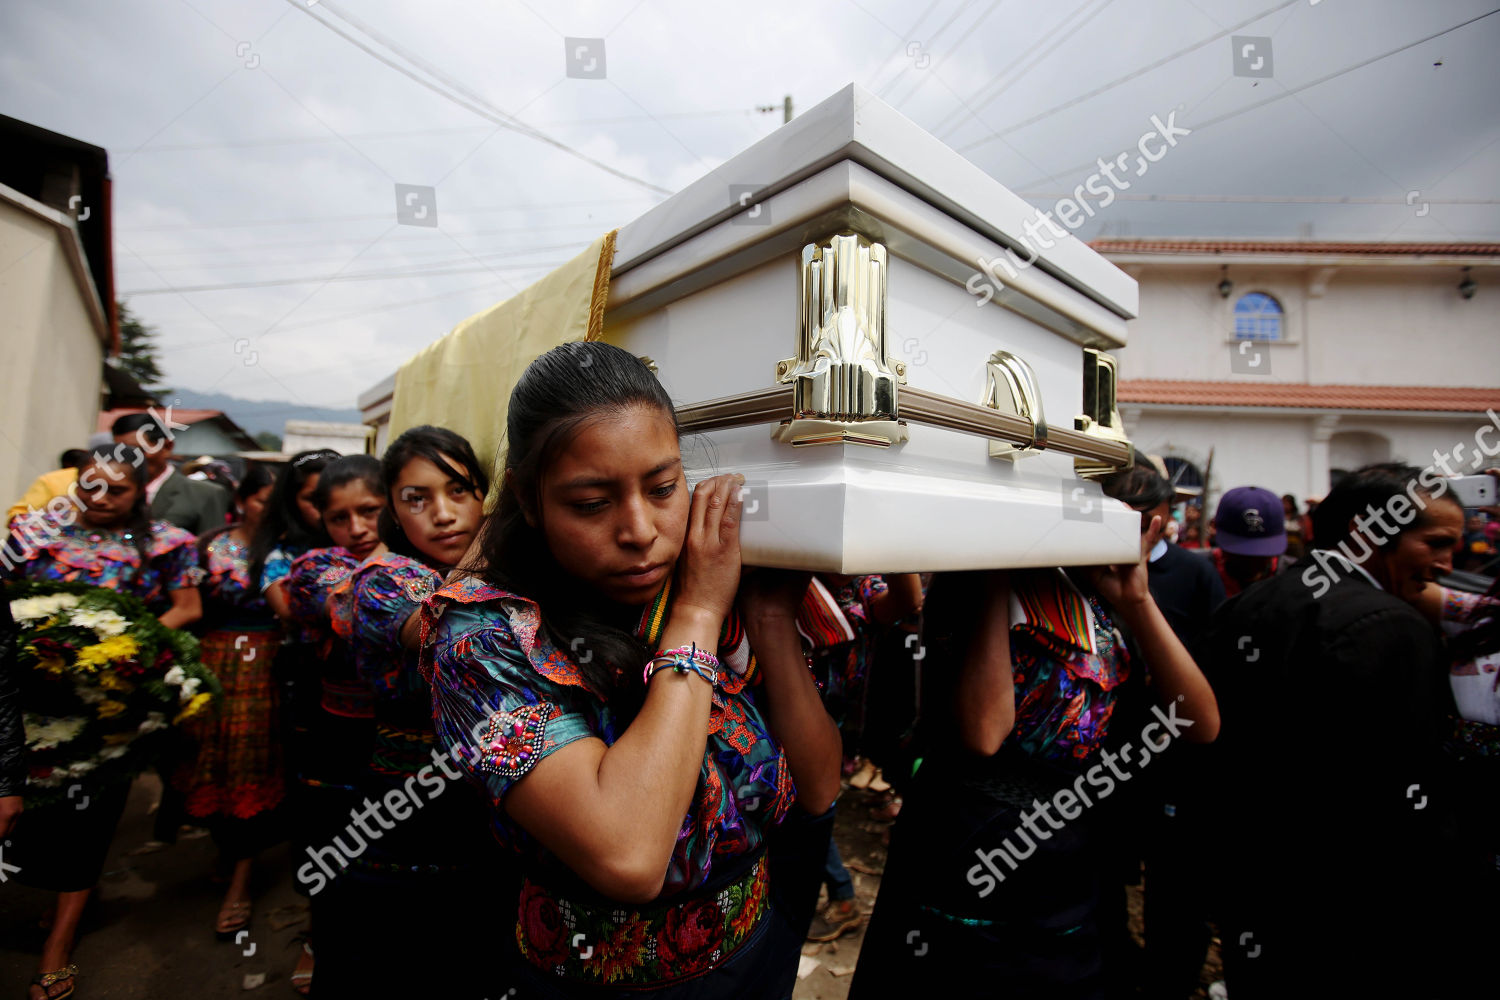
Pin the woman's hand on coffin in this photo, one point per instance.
(1126, 586)
(709, 568)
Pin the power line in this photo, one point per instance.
(385, 244)
(930, 39)
(961, 109)
(1298, 89)
(1124, 79)
(306, 140)
(497, 117)
(353, 276)
(365, 217)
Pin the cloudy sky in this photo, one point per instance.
(255, 145)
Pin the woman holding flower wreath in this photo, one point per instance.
(109, 542)
(594, 676)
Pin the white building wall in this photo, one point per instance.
(1345, 326)
(52, 370)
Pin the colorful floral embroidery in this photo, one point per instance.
(75, 553)
(654, 946)
(484, 655)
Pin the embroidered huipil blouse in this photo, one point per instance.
(500, 686)
(229, 599)
(1068, 661)
(368, 609)
(108, 558)
(448, 829)
(311, 579)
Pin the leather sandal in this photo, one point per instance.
(49, 979)
(302, 978)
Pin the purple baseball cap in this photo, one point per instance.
(1250, 522)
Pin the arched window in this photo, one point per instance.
(1257, 316)
(1184, 474)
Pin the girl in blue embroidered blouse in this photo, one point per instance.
(640, 805)
(438, 857)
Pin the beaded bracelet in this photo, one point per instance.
(686, 659)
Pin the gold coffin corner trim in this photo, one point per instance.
(843, 382)
(774, 403)
(1010, 386)
(1100, 418)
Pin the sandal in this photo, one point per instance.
(302, 978)
(238, 917)
(47, 980)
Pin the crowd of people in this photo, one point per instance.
(566, 745)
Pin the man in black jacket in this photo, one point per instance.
(1329, 806)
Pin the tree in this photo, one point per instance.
(268, 441)
(138, 357)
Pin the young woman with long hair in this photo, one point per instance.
(438, 857)
(113, 543)
(233, 782)
(594, 676)
(338, 727)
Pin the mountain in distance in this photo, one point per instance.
(257, 415)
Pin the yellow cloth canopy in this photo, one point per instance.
(463, 381)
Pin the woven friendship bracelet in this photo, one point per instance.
(685, 659)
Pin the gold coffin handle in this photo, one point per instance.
(1101, 416)
(844, 383)
(1010, 386)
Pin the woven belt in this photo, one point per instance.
(652, 946)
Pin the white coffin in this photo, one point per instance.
(712, 285)
(709, 285)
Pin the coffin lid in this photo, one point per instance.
(857, 126)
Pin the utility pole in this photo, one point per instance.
(786, 109)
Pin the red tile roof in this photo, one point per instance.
(1183, 246)
(1457, 399)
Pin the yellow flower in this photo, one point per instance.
(194, 707)
(110, 707)
(118, 739)
(114, 682)
(100, 654)
(53, 665)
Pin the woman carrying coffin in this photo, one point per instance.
(595, 677)
(996, 870)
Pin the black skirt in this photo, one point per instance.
(61, 847)
(1027, 923)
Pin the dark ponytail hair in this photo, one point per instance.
(256, 478)
(349, 469)
(442, 448)
(283, 521)
(138, 520)
(560, 391)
